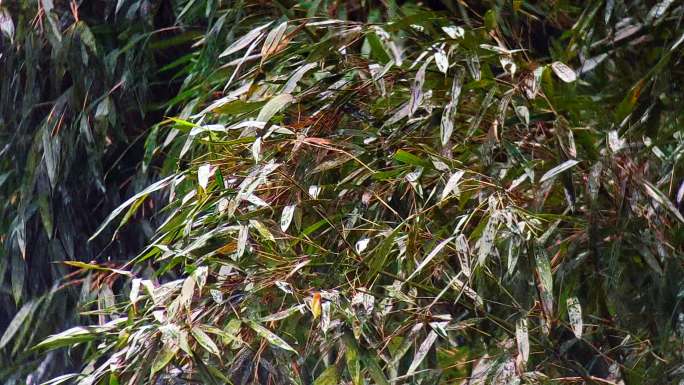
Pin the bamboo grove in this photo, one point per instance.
(342, 192)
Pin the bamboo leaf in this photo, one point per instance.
(662, 199)
(282, 314)
(273, 41)
(449, 114)
(417, 88)
(150, 189)
(452, 184)
(422, 352)
(270, 337)
(66, 338)
(563, 72)
(430, 257)
(205, 341)
(575, 316)
(273, 106)
(17, 322)
(328, 377)
(163, 357)
(244, 41)
(522, 339)
(286, 217)
(558, 169)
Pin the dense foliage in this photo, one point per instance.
(376, 193)
(79, 87)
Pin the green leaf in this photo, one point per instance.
(374, 370)
(297, 76)
(273, 106)
(163, 357)
(150, 147)
(270, 337)
(629, 102)
(379, 258)
(68, 337)
(353, 362)
(328, 377)
(377, 49)
(150, 189)
(545, 279)
(236, 107)
(205, 341)
(17, 322)
(408, 158)
(18, 277)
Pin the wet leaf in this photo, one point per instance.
(205, 341)
(545, 280)
(17, 322)
(273, 42)
(163, 357)
(417, 88)
(273, 339)
(245, 40)
(568, 164)
(273, 106)
(522, 339)
(422, 351)
(328, 377)
(452, 184)
(662, 199)
(286, 217)
(433, 253)
(66, 338)
(575, 316)
(563, 72)
(283, 313)
(449, 114)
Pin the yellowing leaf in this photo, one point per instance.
(316, 305)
